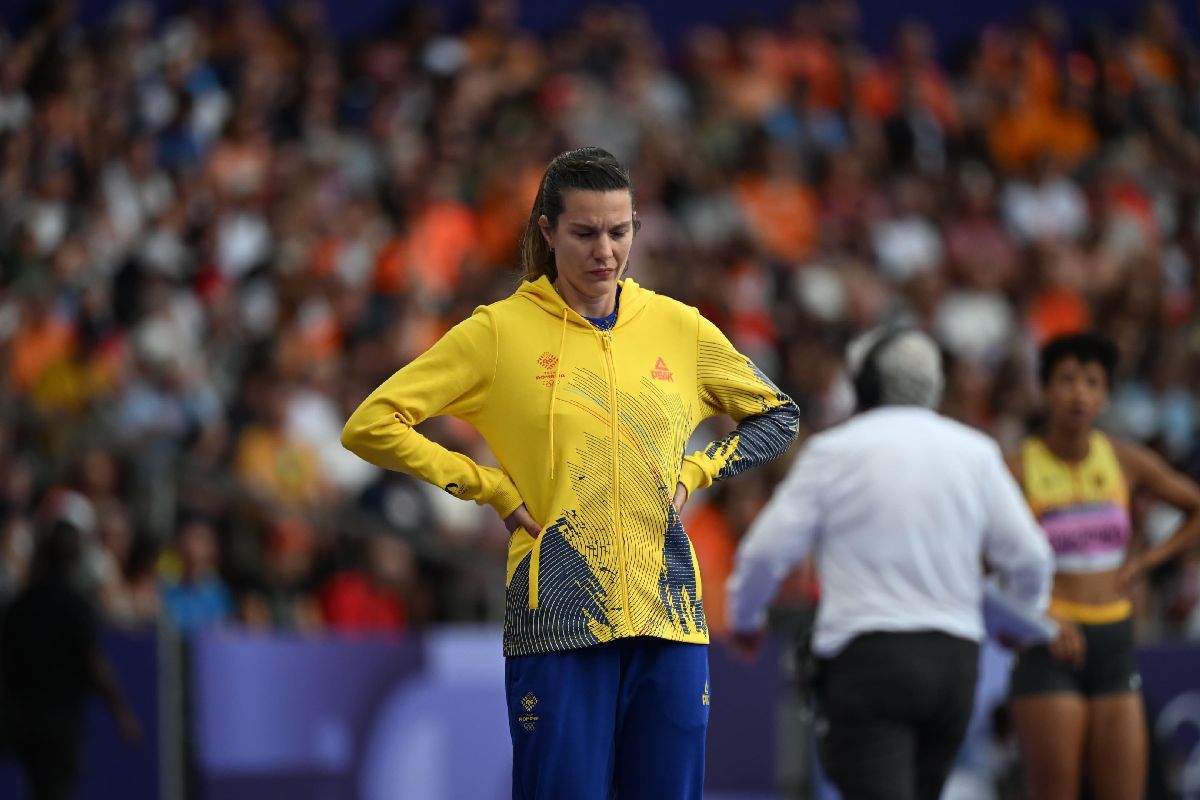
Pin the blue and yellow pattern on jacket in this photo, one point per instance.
(589, 429)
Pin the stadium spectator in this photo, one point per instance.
(51, 661)
(281, 593)
(371, 596)
(197, 598)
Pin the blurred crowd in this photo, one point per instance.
(221, 229)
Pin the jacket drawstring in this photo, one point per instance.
(562, 340)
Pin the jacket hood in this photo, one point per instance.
(543, 295)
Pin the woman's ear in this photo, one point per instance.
(637, 222)
(544, 226)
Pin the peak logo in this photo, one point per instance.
(661, 371)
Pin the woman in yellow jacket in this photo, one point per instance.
(587, 387)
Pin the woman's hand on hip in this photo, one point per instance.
(1129, 575)
(681, 497)
(1069, 646)
(521, 518)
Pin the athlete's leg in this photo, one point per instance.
(1116, 746)
(1051, 730)
(562, 710)
(663, 721)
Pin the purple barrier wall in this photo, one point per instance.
(742, 727)
(111, 770)
(287, 716)
(332, 719)
(1171, 686)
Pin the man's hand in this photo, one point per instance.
(1008, 642)
(521, 518)
(747, 645)
(129, 727)
(681, 497)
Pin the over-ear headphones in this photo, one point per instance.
(868, 382)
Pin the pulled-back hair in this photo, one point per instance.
(1086, 348)
(589, 168)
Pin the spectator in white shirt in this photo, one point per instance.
(901, 508)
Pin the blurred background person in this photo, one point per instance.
(51, 660)
(901, 507)
(1077, 703)
(196, 598)
(371, 594)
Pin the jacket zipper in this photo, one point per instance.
(606, 339)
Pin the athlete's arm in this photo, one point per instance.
(727, 382)
(1146, 471)
(452, 377)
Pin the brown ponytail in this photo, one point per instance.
(589, 168)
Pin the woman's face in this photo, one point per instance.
(591, 242)
(1075, 394)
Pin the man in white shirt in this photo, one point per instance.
(901, 507)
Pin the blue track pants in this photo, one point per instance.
(627, 717)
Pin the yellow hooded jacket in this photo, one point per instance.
(589, 428)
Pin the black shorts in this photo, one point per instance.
(1109, 667)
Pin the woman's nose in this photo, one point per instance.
(603, 247)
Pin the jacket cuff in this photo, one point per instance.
(693, 476)
(505, 499)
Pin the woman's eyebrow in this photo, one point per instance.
(587, 226)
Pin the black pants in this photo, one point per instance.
(894, 708)
(49, 757)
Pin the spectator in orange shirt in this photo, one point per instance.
(780, 209)
(880, 88)
(712, 539)
(40, 341)
(443, 237)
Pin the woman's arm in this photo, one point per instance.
(768, 421)
(452, 377)
(1146, 471)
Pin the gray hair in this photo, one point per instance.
(909, 366)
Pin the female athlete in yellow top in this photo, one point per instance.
(1076, 703)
